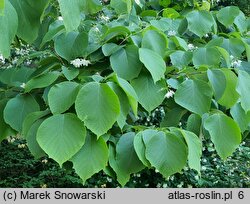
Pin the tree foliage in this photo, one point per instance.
(96, 69)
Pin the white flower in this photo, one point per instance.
(21, 146)
(60, 18)
(156, 171)
(191, 47)
(236, 63)
(45, 161)
(80, 62)
(169, 94)
(165, 185)
(104, 18)
(206, 36)
(203, 168)
(171, 33)
(180, 185)
(22, 85)
(196, 177)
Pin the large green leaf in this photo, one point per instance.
(150, 94)
(124, 104)
(194, 149)
(227, 15)
(224, 132)
(200, 22)
(62, 96)
(30, 14)
(98, 106)
(4, 128)
(125, 62)
(73, 10)
(2, 4)
(18, 108)
(32, 118)
(206, 57)
(32, 143)
(240, 116)
(234, 46)
(195, 96)
(167, 153)
(130, 92)
(61, 136)
(153, 62)
(181, 59)
(41, 81)
(91, 158)
(71, 45)
(140, 141)
(155, 41)
(243, 88)
(127, 160)
(224, 84)
(8, 25)
(121, 6)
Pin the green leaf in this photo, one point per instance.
(110, 48)
(70, 74)
(126, 158)
(194, 149)
(240, 116)
(2, 3)
(32, 118)
(62, 96)
(30, 14)
(150, 94)
(194, 124)
(200, 22)
(17, 109)
(73, 10)
(32, 143)
(243, 88)
(153, 62)
(98, 106)
(167, 153)
(91, 158)
(125, 62)
(234, 46)
(56, 28)
(173, 117)
(130, 92)
(227, 15)
(195, 96)
(4, 128)
(224, 83)
(181, 59)
(41, 81)
(124, 103)
(224, 132)
(8, 25)
(155, 41)
(121, 6)
(170, 13)
(206, 57)
(71, 45)
(61, 136)
(15, 76)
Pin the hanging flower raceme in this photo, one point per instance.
(80, 62)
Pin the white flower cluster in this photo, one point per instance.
(235, 63)
(22, 85)
(169, 94)
(171, 33)
(104, 18)
(60, 18)
(80, 62)
(191, 47)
